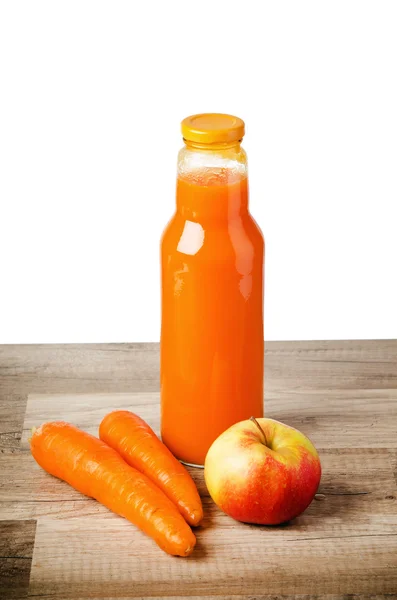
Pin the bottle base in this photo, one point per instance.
(187, 464)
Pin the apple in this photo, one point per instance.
(262, 471)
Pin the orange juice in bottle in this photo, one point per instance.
(212, 349)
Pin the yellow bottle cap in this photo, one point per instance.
(212, 128)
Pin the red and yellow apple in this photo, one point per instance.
(262, 471)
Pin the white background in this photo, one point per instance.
(92, 94)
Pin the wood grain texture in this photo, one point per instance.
(342, 394)
(391, 596)
(335, 419)
(16, 549)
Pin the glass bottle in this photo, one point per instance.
(212, 251)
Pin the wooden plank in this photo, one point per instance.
(333, 403)
(74, 367)
(77, 557)
(16, 549)
(391, 596)
(335, 420)
(12, 411)
(355, 482)
(360, 364)
(326, 365)
(16, 539)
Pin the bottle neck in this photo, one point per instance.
(218, 201)
(212, 182)
(214, 147)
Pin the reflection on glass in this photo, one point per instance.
(192, 238)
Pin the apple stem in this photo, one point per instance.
(260, 428)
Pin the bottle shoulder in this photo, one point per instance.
(212, 239)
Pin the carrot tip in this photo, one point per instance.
(195, 518)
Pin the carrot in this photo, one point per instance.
(141, 448)
(98, 471)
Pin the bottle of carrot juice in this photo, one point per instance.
(212, 252)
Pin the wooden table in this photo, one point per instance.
(55, 543)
